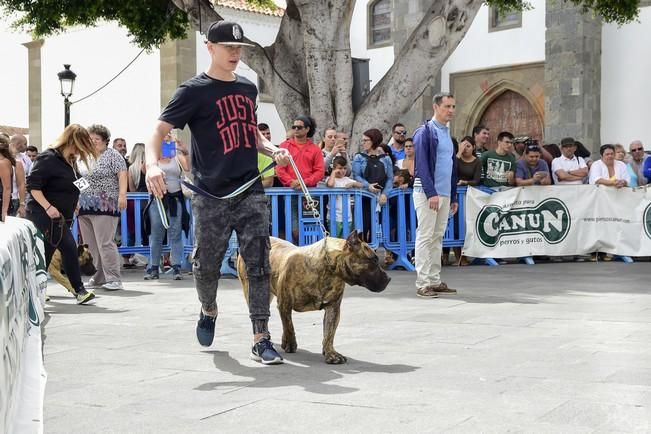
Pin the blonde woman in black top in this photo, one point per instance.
(53, 185)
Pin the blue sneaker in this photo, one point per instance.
(206, 329)
(265, 353)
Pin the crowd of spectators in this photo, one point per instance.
(371, 163)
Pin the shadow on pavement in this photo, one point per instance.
(521, 284)
(121, 293)
(52, 307)
(303, 368)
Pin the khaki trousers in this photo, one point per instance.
(429, 239)
(98, 231)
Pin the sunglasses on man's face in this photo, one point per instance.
(401, 133)
(637, 149)
(297, 127)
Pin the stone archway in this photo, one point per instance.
(511, 111)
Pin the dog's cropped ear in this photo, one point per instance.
(354, 239)
(81, 248)
(85, 245)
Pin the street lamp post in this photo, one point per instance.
(67, 81)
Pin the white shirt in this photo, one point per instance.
(567, 164)
(27, 167)
(339, 212)
(27, 162)
(599, 170)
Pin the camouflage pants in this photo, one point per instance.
(248, 215)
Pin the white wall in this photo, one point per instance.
(128, 106)
(381, 59)
(625, 84)
(480, 49)
(13, 78)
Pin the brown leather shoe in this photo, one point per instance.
(442, 288)
(426, 292)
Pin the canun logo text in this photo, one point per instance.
(551, 219)
(646, 220)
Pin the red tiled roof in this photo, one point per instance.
(243, 5)
(13, 130)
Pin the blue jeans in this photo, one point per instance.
(158, 234)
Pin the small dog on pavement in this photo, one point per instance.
(85, 264)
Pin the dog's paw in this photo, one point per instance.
(289, 344)
(334, 358)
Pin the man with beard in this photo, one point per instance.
(399, 134)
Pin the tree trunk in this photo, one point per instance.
(308, 68)
(328, 61)
(437, 35)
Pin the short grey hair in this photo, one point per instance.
(635, 142)
(438, 98)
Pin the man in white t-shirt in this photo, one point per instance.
(568, 169)
(18, 146)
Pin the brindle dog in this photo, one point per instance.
(313, 278)
(85, 264)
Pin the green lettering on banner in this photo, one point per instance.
(550, 218)
(646, 219)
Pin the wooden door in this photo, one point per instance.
(514, 113)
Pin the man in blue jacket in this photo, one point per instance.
(435, 194)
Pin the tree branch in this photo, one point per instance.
(437, 35)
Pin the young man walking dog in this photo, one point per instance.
(219, 108)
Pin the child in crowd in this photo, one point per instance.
(402, 179)
(338, 179)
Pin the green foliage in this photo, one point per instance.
(149, 22)
(616, 11)
(269, 4)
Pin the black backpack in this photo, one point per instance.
(375, 171)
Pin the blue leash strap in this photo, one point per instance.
(161, 212)
(237, 191)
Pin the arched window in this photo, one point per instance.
(379, 23)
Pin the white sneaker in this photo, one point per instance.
(139, 260)
(91, 284)
(113, 286)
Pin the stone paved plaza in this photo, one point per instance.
(547, 348)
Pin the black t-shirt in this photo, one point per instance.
(223, 122)
(54, 177)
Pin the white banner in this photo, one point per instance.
(558, 221)
(22, 284)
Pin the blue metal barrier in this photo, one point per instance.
(399, 237)
(403, 240)
(286, 203)
(307, 228)
(139, 245)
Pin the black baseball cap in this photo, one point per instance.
(227, 33)
(567, 141)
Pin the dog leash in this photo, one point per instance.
(242, 188)
(202, 192)
(311, 203)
